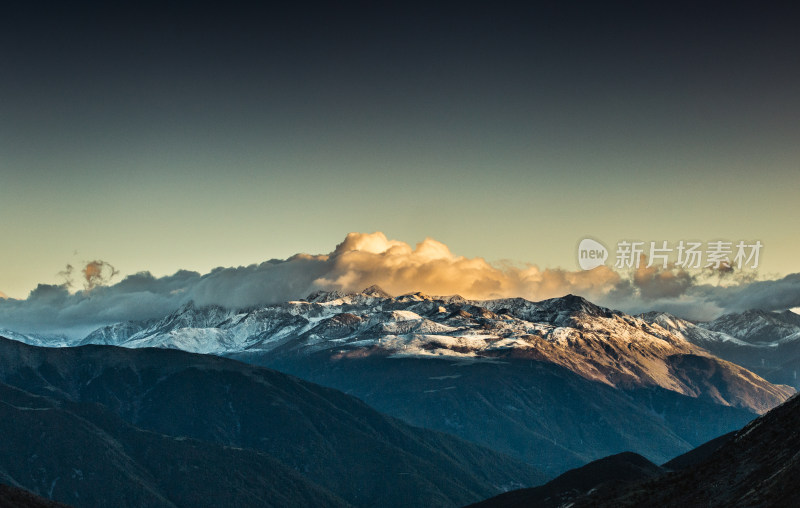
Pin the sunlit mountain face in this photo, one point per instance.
(397, 255)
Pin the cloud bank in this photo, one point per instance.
(362, 260)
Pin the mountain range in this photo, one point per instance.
(556, 383)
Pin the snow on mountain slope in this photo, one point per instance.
(114, 334)
(767, 343)
(34, 339)
(689, 331)
(597, 343)
(758, 326)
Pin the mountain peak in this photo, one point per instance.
(376, 291)
(188, 306)
(322, 296)
(415, 297)
(751, 313)
(655, 314)
(664, 319)
(575, 299)
(573, 304)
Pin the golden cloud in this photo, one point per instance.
(363, 259)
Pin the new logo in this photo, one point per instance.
(591, 254)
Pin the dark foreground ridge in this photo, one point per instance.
(100, 425)
(603, 474)
(13, 497)
(757, 466)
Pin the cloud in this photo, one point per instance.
(98, 273)
(3, 295)
(777, 294)
(430, 267)
(362, 260)
(654, 282)
(94, 273)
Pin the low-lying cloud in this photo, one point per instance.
(362, 260)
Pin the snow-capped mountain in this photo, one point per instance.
(596, 343)
(768, 343)
(759, 327)
(556, 383)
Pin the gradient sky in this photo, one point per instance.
(185, 137)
